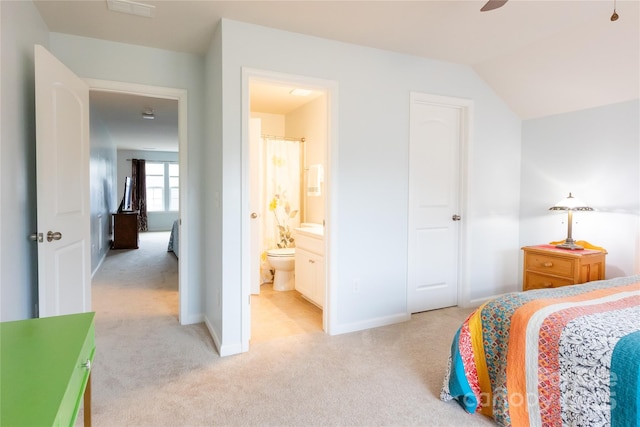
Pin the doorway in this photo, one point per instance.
(179, 96)
(277, 103)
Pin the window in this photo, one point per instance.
(163, 179)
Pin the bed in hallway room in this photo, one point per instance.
(563, 356)
(174, 238)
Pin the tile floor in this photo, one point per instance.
(277, 314)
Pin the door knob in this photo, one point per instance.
(36, 237)
(456, 217)
(53, 236)
(254, 215)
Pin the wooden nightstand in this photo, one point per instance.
(546, 266)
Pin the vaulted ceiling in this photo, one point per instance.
(541, 57)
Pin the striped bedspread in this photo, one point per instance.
(564, 356)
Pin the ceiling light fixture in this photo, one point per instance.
(131, 7)
(148, 114)
(300, 92)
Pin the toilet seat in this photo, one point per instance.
(282, 252)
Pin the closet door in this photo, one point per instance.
(436, 130)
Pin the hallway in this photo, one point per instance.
(144, 283)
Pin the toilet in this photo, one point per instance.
(282, 260)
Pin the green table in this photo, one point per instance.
(45, 367)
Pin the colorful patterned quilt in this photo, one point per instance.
(563, 356)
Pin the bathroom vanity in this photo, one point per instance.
(309, 266)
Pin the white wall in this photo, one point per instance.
(21, 27)
(103, 200)
(156, 221)
(271, 124)
(310, 122)
(595, 154)
(369, 170)
(100, 59)
(212, 231)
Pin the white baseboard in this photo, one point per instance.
(479, 301)
(371, 323)
(104, 256)
(223, 350)
(214, 335)
(191, 319)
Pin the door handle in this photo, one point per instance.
(36, 237)
(254, 215)
(51, 235)
(456, 217)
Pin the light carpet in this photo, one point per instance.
(151, 371)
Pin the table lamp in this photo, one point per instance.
(570, 204)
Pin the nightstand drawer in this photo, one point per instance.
(541, 281)
(549, 265)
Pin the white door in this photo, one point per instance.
(62, 167)
(434, 181)
(255, 203)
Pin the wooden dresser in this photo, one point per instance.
(546, 266)
(46, 366)
(125, 230)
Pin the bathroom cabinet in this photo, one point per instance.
(310, 276)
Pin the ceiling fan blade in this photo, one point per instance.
(493, 4)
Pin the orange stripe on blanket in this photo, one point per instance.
(475, 330)
(516, 365)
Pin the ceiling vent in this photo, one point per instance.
(131, 7)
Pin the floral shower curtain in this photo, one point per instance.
(281, 194)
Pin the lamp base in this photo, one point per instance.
(569, 244)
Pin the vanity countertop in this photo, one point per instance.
(313, 232)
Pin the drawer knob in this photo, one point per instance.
(87, 365)
(547, 264)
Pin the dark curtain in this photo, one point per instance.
(139, 190)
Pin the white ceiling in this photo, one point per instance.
(122, 116)
(541, 57)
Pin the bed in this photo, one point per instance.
(563, 356)
(174, 238)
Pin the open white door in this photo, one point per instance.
(62, 158)
(255, 203)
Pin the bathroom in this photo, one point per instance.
(288, 144)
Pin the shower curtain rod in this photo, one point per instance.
(285, 138)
